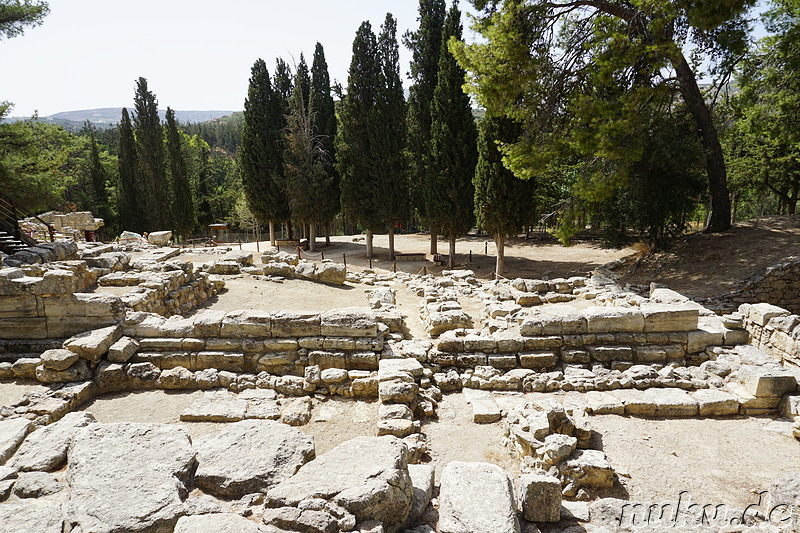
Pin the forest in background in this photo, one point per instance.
(590, 118)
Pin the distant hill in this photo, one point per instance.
(108, 116)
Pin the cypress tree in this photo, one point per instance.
(154, 191)
(359, 183)
(183, 207)
(425, 45)
(306, 179)
(448, 190)
(129, 216)
(389, 131)
(204, 217)
(323, 120)
(261, 151)
(503, 202)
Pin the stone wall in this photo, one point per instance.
(777, 285)
(774, 330)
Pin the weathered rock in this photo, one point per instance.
(713, 402)
(29, 516)
(58, 359)
(177, 378)
(79, 371)
(614, 319)
(128, 477)
(159, 238)
(110, 377)
(786, 490)
(12, 433)
(296, 411)
(36, 485)
(422, 478)
(252, 323)
(485, 411)
(349, 321)
(250, 456)
(332, 273)
(476, 498)
(46, 449)
(216, 406)
(122, 350)
(367, 476)
(540, 498)
(92, 345)
(589, 468)
(216, 523)
(397, 391)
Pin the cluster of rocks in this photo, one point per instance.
(284, 265)
(555, 442)
(232, 263)
(44, 252)
(774, 330)
(440, 309)
(72, 226)
(778, 285)
(531, 292)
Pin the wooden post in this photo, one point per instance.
(470, 257)
(394, 267)
(323, 254)
(486, 248)
(370, 262)
(344, 259)
(298, 252)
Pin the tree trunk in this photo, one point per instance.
(328, 233)
(369, 244)
(271, 233)
(289, 230)
(391, 242)
(734, 208)
(312, 237)
(451, 261)
(500, 244)
(434, 242)
(715, 162)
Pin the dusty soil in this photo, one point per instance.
(705, 265)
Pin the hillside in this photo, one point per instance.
(108, 116)
(705, 265)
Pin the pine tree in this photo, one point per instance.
(503, 202)
(448, 190)
(324, 126)
(183, 206)
(389, 132)
(359, 183)
(261, 151)
(425, 45)
(154, 191)
(129, 216)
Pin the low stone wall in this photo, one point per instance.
(774, 330)
(777, 285)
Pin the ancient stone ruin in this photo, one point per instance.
(536, 358)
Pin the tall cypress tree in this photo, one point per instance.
(503, 202)
(359, 183)
(129, 216)
(154, 191)
(261, 151)
(323, 120)
(306, 179)
(183, 207)
(389, 128)
(425, 45)
(204, 216)
(448, 190)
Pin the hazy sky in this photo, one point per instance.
(195, 54)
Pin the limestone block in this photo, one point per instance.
(606, 354)
(19, 306)
(604, 403)
(231, 361)
(536, 360)
(361, 360)
(93, 345)
(540, 498)
(329, 272)
(760, 381)
(614, 319)
(476, 497)
(23, 328)
(46, 449)
(333, 375)
(25, 367)
(325, 359)
(110, 377)
(28, 515)
(553, 320)
(296, 411)
(250, 456)
(122, 350)
(650, 354)
(663, 317)
(278, 268)
(440, 321)
(485, 411)
(365, 387)
(591, 467)
(208, 323)
(422, 479)
(349, 321)
(505, 361)
(397, 427)
(367, 476)
(714, 402)
(216, 523)
(750, 402)
(12, 432)
(58, 359)
(397, 391)
(249, 323)
(79, 371)
(667, 403)
(390, 367)
(216, 406)
(762, 313)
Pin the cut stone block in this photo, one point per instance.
(485, 411)
(540, 498)
(766, 381)
(554, 320)
(604, 403)
(713, 402)
(662, 317)
(12, 432)
(614, 319)
(476, 497)
(93, 345)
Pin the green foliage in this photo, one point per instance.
(127, 189)
(425, 45)
(261, 151)
(503, 202)
(448, 191)
(153, 189)
(224, 133)
(16, 15)
(323, 120)
(182, 206)
(357, 168)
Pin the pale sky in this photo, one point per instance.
(195, 54)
